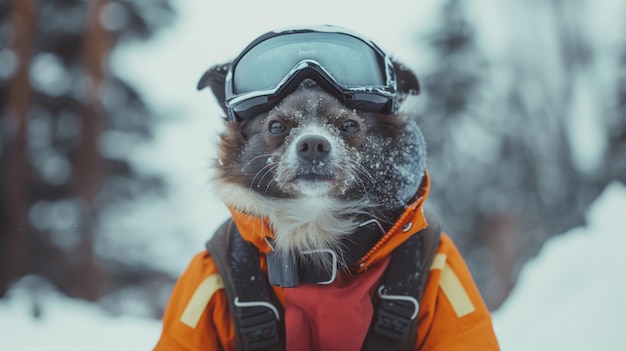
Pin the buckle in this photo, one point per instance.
(258, 325)
(395, 315)
(289, 272)
(316, 278)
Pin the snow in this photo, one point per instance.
(66, 324)
(568, 298)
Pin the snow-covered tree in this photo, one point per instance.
(68, 123)
(509, 166)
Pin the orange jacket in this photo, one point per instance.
(452, 315)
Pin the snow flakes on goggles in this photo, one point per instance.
(351, 68)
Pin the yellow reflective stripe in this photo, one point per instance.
(200, 299)
(452, 287)
(455, 292)
(439, 261)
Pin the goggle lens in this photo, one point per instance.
(348, 60)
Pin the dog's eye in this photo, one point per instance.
(276, 127)
(350, 127)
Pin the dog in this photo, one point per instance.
(323, 166)
(315, 168)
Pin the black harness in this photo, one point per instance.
(258, 316)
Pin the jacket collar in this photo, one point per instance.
(255, 229)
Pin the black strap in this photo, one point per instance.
(394, 325)
(257, 314)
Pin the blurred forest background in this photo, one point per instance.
(67, 125)
(518, 148)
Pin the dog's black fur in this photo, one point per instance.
(314, 167)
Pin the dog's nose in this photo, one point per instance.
(313, 148)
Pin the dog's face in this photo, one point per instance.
(309, 145)
(314, 161)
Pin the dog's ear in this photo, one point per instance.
(215, 78)
(407, 80)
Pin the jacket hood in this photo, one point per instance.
(255, 229)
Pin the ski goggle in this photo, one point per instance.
(349, 67)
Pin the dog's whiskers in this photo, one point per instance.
(357, 170)
(270, 182)
(267, 171)
(264, 171)
(360, 168)
(361, 183)
(243, 168)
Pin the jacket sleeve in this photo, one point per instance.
(453, 315)
(197, 317)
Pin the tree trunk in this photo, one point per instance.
(89, 170)
(14, 226)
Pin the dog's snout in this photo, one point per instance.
(313, 148)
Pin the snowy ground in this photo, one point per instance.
(67, 324)
(570, 297)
